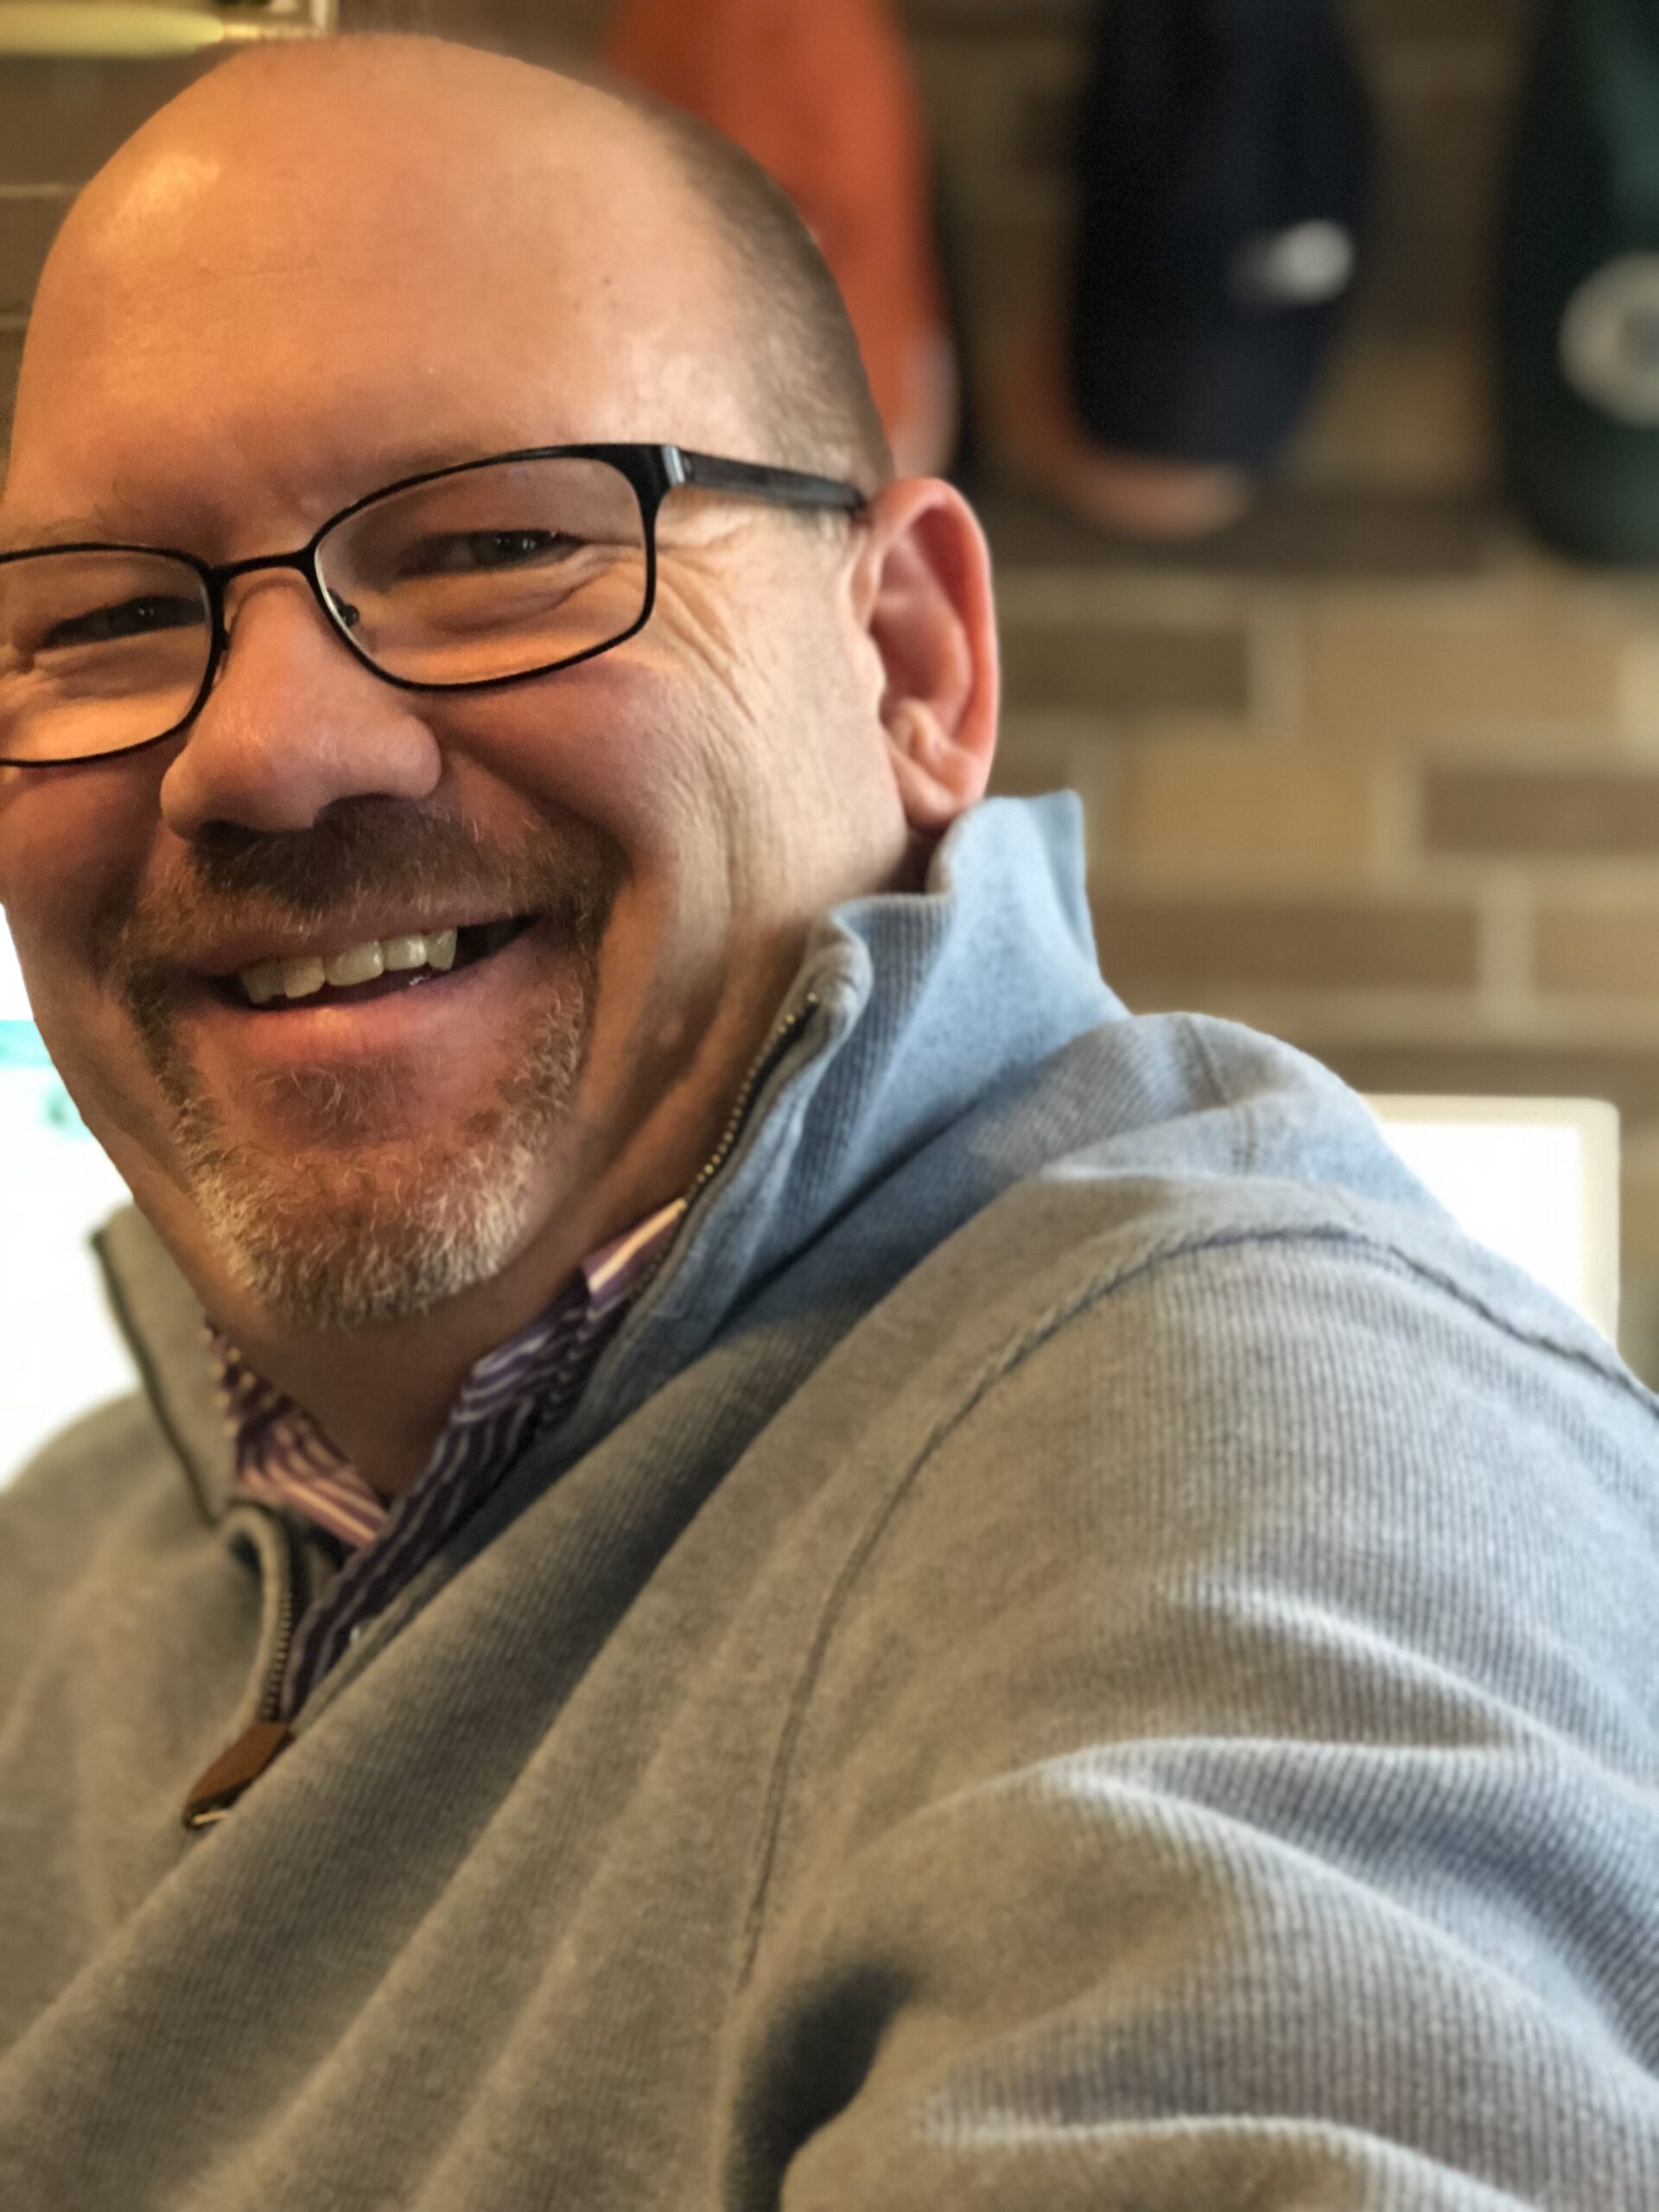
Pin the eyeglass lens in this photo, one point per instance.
(486, 573)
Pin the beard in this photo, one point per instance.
(357, 1223)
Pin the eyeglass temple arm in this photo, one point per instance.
(754, 480)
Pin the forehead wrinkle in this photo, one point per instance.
(284, 312)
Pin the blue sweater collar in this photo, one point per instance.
(908, 1009)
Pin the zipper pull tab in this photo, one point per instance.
(235, 1771)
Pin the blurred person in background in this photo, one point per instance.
(769, 1557)
(823, 99)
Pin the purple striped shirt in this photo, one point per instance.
(524, 1387)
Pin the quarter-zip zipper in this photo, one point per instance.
(787, 1031)
(776, 1045)
(287, 1607)
(214, 1793)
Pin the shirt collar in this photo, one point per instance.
(279, 1450)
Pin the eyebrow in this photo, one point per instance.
(29, 537)
(94, 528)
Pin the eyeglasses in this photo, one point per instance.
(486, 573)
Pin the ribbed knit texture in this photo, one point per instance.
(1081, 1651)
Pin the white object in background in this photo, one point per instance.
(1534, 1179)
(62, 1352)
(13, 1000)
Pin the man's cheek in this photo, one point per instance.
(73, 842)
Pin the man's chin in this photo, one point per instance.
(340, 1216)
(353, 1238)
(351, 1198)
(329, 1111)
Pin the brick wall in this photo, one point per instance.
(1374, 772)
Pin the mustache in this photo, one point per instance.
(362, 852)
(359, 846)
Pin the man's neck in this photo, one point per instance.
(383, 1395)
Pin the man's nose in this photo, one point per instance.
(293, 723)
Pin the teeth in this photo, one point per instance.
(302, 977)
(361, 963)
(262, 982)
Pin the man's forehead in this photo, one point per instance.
(559, 291)
(338, 150)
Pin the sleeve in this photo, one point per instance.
(1230, 1779)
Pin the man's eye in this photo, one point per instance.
(133, 617)
(485, 549)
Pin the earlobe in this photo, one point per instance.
(938, 778)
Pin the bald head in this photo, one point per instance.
(321, 270)
(490, 191)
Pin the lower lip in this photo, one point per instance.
(440, 1013)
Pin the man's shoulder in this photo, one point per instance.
(93, 1461)
(101, 1482)
(1240, 1330)
(1219, 1156)
(1195, 1097)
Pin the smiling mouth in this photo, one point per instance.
(382, 968)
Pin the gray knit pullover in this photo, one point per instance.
(1082, 1651)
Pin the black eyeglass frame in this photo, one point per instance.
(653, 470)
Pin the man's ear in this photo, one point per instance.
(921, 592)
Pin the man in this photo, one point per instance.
(824, 1574)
